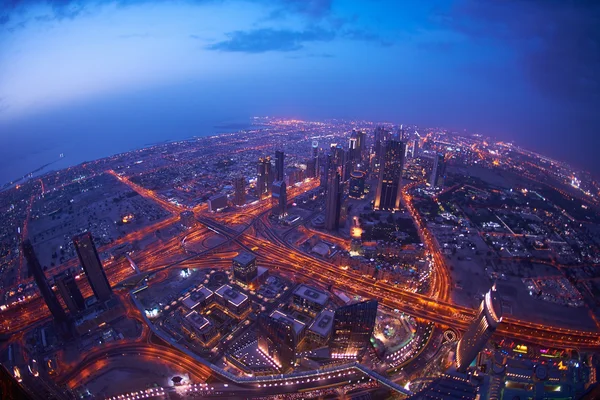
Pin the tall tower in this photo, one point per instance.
(352, 329)
(279, 166)
(389, 186)
(438, 172)
(48, 295)
(67, 287)
(381, 136)
(239, 184)
(315, 156)
(277, 340)
(90, 261)
(279, 199)
(264, 178)
(333, 201)
(353, 147)
(362, 144)
(244, 267)
(480, 330)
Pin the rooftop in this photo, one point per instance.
(197, 320)
(244, 258)
(233, 296)
(298, 326)
(311, 294)
(323, 323)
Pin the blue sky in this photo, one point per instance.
(517, 69)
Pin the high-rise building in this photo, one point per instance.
(244, 268)
(352, 329)
(353, 147)
(264, 178)
(58, 313)
(239, 197)
(438, 172)
(401, 133)
(357, 185)
(279, 165)
(381, 136)
(389, 185)
(480, 330)
(69, 291)
(333, 201)
(276, 340)
(279, 199)
(315, 156)
(90, 261)
(362, 143)
(217, 202)
(347, 165)
(311, 168)
(414, 148)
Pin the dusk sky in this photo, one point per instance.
(522, 70)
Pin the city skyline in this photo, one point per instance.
(283, 199)
(530, 79)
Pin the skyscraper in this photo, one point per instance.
(244, 267)
(239, 197)
(347, 165)
(381, 136)
(311, 168)
(438, 172)
(357, 185)
(333, 201)
(279, 199)
(276, 339)
(389, 185)
(353, 147)
(352, 329)
(315, 156)
(480, 330)
(279, 166)
(67, 287)
(48, 295)
(90, 261)
(264, 177)
(362, 143)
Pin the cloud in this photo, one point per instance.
(316, 9)
(366, 36)
(557, 42)
(263, 40)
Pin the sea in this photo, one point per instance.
(34, 151)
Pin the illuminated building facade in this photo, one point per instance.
(309, 300)
(382, 135)
(264, 177)
(239, 197)
(389, 185)
(333, 201)
(48, 295)
(353, 147)
(480, 330)
(438, 171)
(244, 268)
(90, 261)
(276, 340)
(352, 329)
(357, 185)
(67, 287)
(279, 199)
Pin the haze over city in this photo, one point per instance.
(293, 199)
(521, 70)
